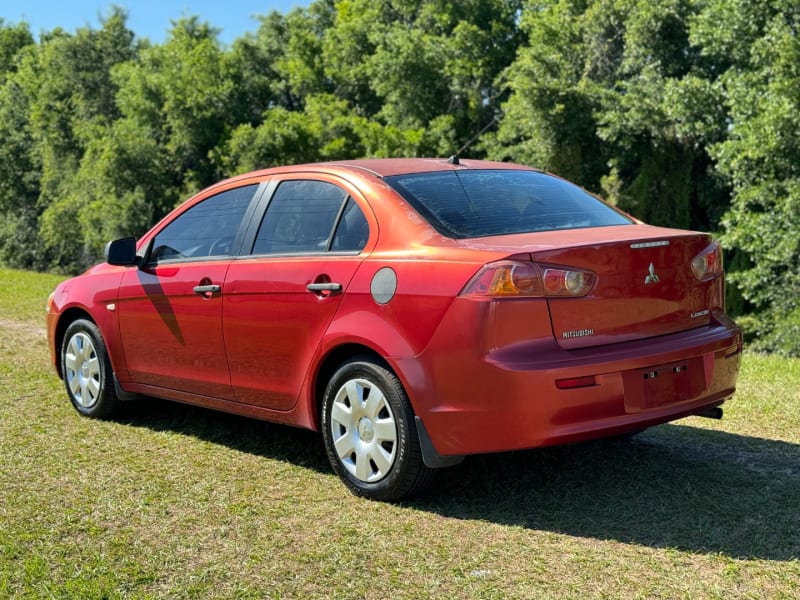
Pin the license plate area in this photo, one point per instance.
(661, 385)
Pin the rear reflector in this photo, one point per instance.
(576, 382)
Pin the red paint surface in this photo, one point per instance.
(481, 373)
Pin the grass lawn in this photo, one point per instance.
(179, 502)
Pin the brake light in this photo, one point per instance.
(512, 278)
(708, 264)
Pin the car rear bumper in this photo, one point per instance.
(508, 397)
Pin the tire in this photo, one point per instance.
(87, 371)
(370, 434)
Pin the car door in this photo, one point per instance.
(170, 309)
(280, 300)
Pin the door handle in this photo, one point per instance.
(331, 288)
(206, 289)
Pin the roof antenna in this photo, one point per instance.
(453, 160)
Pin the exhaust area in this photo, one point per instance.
(715, 412)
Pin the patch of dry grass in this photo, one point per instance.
(179, 502)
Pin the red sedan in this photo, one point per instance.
(414, 310)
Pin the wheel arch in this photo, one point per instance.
(344, 352)
(66, 318)
(330, 363)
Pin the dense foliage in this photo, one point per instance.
(684, 112)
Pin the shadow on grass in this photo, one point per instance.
(279, 442)
(674, 486)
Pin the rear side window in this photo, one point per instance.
(207, 229)
(465, 204)
(352, 231)
(306, 216)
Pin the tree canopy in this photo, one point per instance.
(685, 113)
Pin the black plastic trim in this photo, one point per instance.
(431, 458)
(122, 394)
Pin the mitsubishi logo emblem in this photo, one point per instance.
(652, 277)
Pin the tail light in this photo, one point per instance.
(567, 282)
(512, 278)
(708, 264)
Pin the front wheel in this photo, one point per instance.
(87, 370)
(370, 434)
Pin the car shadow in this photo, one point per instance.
(280, 442)
(673, 486)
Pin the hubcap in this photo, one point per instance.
(364, 430)
(82, 370)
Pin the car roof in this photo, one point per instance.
(386, 167)
(383, 167)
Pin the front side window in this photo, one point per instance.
(206, 229)
(466, 204)
(306, 216)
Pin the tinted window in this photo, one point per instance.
(352, 231)
(479, 203)
(206, 229)
(301, 217)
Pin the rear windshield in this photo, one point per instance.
(465, 204)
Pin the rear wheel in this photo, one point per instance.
(87, 371)
(370, 434)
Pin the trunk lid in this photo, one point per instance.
(645, 287)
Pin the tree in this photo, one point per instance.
(761, 160)
(54, 96)
(613, 95)
(423, 65)
(549, 120)
(19, 185)
(13, 38)
(73, 101)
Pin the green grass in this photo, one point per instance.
(178, 502)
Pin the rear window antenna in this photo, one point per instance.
(453, 160)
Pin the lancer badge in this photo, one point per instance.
(652, 277)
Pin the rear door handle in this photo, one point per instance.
(206, 289)
(332, 288)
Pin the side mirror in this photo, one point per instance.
(122, 252)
